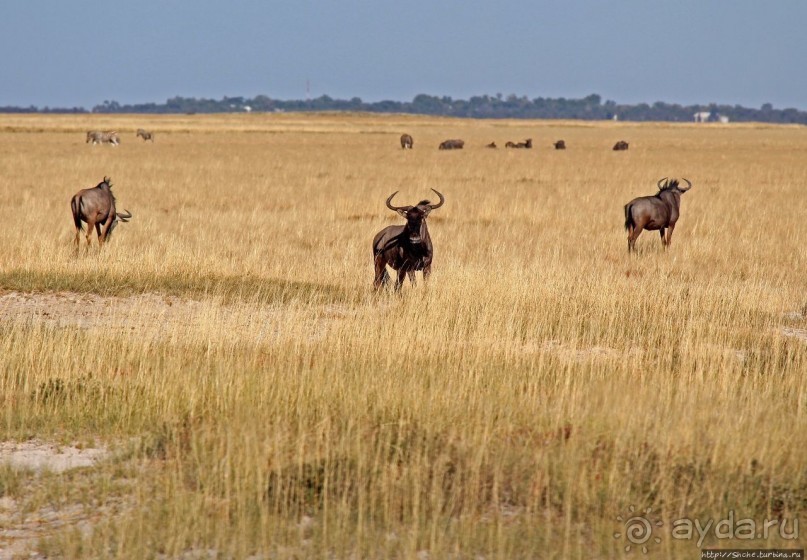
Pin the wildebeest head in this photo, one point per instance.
(415, 215)
(672, 185)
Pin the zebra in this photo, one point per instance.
(106, 137)
(145, 134)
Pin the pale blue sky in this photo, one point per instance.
(60, 53)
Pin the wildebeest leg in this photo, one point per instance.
(633, 234)
(102, 233)
(669, 235)
(663, 239)
(381, 274)
(400, 280)
(411, 275)
(90, 226)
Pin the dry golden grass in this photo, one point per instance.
(263, 401)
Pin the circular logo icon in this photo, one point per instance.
(638, 529)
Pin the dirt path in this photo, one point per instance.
(155, 316)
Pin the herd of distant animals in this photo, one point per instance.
(404, 248)
(456, 144)
(111, 136)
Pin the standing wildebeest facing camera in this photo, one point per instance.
(454, 144)
(406, 248)
(621, 145)
(560, 145)
(145, 135)
(659, 212)
(96, 207)
(407, 141)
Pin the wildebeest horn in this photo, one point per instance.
(439, 204)
(688, 183)
(124, 216)
(395, 208)
(661, 181)
(107, 180)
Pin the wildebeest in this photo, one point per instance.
(407, 141)
(96, 207)
(491, 145)
(659, 211)
(452, 144)
(145, 135)
(621, 145)
(526, 144)
(407, 248)
(105, 137)
(560, 145)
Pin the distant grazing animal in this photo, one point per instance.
(452, 144)
(106, 137)
(659, 212)
(621, 145)
(145, 135)
(527, 144)
(407, 248)
(407, 141)
(560, 145)
(96, 207)
(491, 145)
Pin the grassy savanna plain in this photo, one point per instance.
(259, 400)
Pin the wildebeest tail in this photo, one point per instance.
(75, 207)
(629, 217)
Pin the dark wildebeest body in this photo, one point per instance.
(491, 145)
(560, 145)
(454, 144)
(407, 141)
(96, 207)
(145, 135)
(407, 248)
(658, 212)
(526, 144)
(621, 145)
(106, 137)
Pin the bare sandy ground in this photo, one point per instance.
(41, 456)
(20, 529)
(156, 316)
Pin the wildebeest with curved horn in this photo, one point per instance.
(407, 141)
(96, 207)
(621, 145)
(560, 145)
(407, 248)
(659, 212)
(454, 144)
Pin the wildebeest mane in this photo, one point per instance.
(424, 203)
(108, 182)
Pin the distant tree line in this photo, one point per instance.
(34, 109)
(483, 106)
